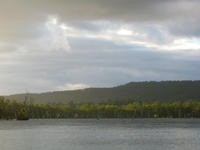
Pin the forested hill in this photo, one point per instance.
(149, 91)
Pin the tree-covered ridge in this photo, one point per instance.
(135, 109)
(148, 91)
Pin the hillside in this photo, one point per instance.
(163, 91)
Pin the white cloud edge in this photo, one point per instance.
(72, 86)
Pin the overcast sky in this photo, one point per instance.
(48, 45)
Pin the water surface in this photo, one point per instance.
(103, 134)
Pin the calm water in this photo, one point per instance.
(113, 134)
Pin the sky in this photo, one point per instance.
(52, 45)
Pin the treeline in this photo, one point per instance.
(149, 91)
(137, 109)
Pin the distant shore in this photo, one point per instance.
(136, 109)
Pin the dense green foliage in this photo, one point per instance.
(22, 114)
(136, 109)
(148, 91)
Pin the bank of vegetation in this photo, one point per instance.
(135, 109)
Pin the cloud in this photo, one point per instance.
(101, 10)
(66, 44)
(100, 64)
(70, 86)
(150, 36)
(55, 38)
(22, 19)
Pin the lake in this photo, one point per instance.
(103, 134)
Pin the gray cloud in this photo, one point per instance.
(115, 64)
(186, 28)
(104, 9)
(18, 17)
(36, 58)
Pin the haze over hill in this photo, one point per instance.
(149, 91)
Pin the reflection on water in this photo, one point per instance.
(111, 134)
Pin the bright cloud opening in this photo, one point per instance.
(56, 37)
(70, 86)
(124, 32)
